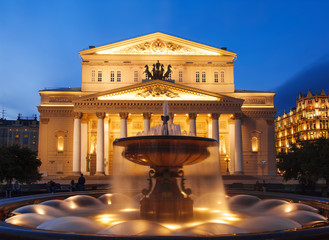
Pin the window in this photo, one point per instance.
(197, 77)
(118, 76)
(254, 144)
(93, 74)
(216, 77)
(112, 76)
(180, 76)
(222, 76)
(135, 76)
(203, 76)
(60, 143)
(100, 76)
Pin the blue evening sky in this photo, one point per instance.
(282, 46)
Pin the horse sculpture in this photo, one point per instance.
(167, 74)
(148, 73)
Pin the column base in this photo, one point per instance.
(238, 173)
(100, 174)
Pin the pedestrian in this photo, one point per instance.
(81, 183)
(72, 186)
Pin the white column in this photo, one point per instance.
(123, 124)
(192, 117)
(84, 145)
(106, 146)
(238, 146)
(171, 118)
(215, 127)
(100, 144)
(76, 168)
(147, 117)
(232, 145)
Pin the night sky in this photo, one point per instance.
(281, 46)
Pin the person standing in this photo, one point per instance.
(81, 183)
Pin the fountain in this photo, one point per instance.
(167, 207)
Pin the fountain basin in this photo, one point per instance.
(165, 151)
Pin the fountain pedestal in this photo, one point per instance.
(166, 202)
(166, 155)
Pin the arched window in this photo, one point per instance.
(197, 76)
(118, 76)
(254, 144)
(222, 76)
(203, 76)
(216, 77)
(100, 76)
(180, 76)
(135, 76)
(112, 76)
(60, 144)
(93, 74)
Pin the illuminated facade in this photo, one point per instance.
(308, 121)
(78, 126)
(22, 131)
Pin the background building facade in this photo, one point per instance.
(308, 121)
(78, 126)
(23, 132)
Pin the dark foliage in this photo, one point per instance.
(20, 164)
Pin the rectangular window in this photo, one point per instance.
(222, 76)
(180, 76)
(197, 77)
(100, 76)
(135, 76)
(93, 74)
(216, 77)
(203, 76)
(118, 76)
(112, 76)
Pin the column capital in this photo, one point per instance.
(192, 115)
(215, 116)
(77, 115)
(146, 115)
(236, 116)
(123, 115)
(100, 115)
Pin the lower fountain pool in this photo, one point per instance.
(118, 215)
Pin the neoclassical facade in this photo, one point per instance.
(308, 121)
(118, 99)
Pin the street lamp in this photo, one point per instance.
(227, 160)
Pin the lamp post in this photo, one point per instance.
(227, 160)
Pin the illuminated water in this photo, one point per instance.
(117, 214)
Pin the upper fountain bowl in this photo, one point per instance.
(165, 151)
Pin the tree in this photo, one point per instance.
(20, 164)
(307, 161)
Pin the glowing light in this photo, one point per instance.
(288, 208)
(73, 205)
(109, 202)
(172, 226)
(129, 210)
(40, 211)
(105, 218)
(202, 209)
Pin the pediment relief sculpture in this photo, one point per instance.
(158, 46)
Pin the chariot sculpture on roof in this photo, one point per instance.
(158, 72)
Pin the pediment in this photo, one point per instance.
(157, 44)
(158, 90)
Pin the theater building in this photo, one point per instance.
(123, 88)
